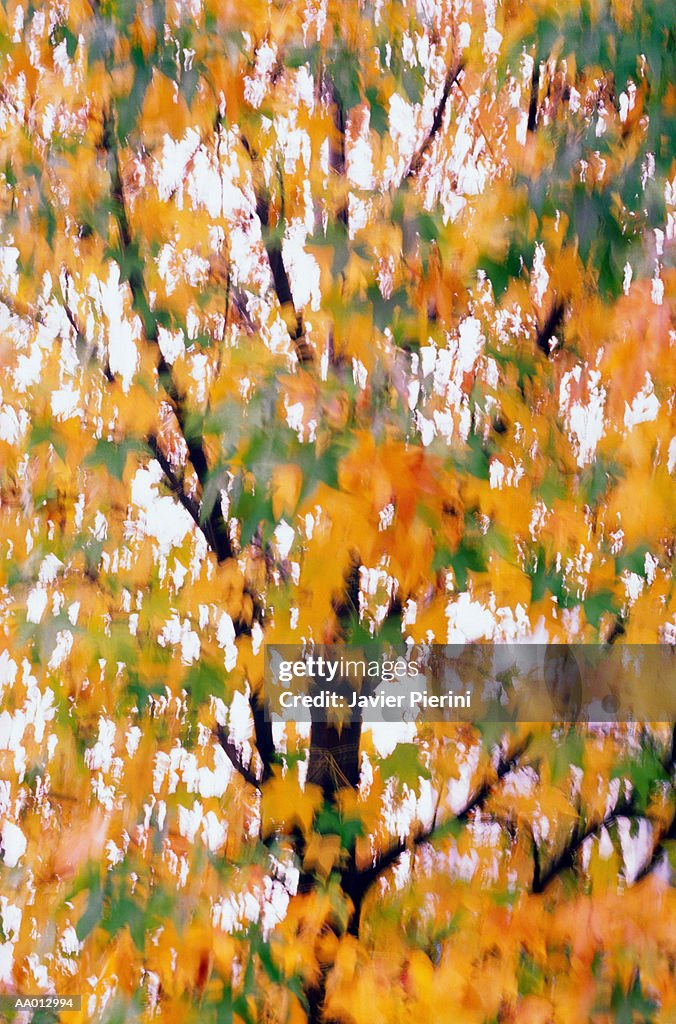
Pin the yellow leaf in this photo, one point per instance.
(286, 484)
(284, 805)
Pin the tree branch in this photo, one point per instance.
(175, 483)
(280, 276)
(359, 886)
(214, 527)
(657, 852)
(565, 859)
(534, 90)
(626, 807)
(263, 733)
(80, 336)
(452, 76)
(234, 757)
(337, 161)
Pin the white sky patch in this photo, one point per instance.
(13, 844)
(100, 756)
(29, 367)
(214, 831)
(62, 648)
(360, 163)
(404, 132)
(162, 517)
(359, 373)
(471, 343)
(255, 86)
(388, 735)
(206, 185)
(189, 820)
(426, 428)
(303, 268)
(49, 568)
(657, 291)
(133, 739)
(170, 171)
(225, 638)
(671, 456)
(644, 407)
(539, 278)
(180, 633)
(171, 344)
(633, 585)
(585, 421)
(36, 603)
(468, 620)
(284, 536)
(120, 335)
(13, 424)
(492, 41)
(66, 403)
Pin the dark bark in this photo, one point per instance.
(213, 525)
(416, 163)
(534, 91)
(280, 277)
(358, 883)
(626, 807)
(548, 329)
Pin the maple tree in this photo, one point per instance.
(331, 321)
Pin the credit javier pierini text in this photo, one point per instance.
(413, 699)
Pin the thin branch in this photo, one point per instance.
(264, 740)
(337, 157)
(626, 807)
(80, 336)
(657, 852)
(534, 91)
(366, 878)
(235, 758)
(176, 485)
(416, 163)
(565, 859)
(214, 527)
(280, 276)
(479, 125)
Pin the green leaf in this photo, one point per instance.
(61, 33)
(92, 914)
(501, 272)
(404, 765)
(129, 106)
(113, 456)
(329, 822)
(42, 432)
(123, 911)
(346, 72)
(569, 752)
(204, 680)
(631, 1006)
(598, 604)
(644, 773)
(468, 558)
(378, 120)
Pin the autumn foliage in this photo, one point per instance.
(328, 320)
